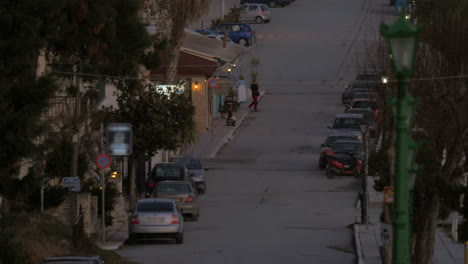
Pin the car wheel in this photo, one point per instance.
(330, 173)
(180, 238)
(131, 239)
(322, 164)
(259, 20)
(195, 216)
(243, 42)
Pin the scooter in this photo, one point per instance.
(343, 164)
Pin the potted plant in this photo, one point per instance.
(223, 110)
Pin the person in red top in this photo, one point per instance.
(255, 94)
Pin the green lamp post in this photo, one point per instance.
(402, 38)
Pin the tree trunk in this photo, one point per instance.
(132, 186)
(426, 225)
(178, 34)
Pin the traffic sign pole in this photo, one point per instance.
(103, 161)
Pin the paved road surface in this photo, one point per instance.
(267, 202)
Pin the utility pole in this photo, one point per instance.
(364, 192)
(222, 9)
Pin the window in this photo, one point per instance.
(347, 123)
(235, 28)
(252, 8)
(345, 147)
(155, 207)
(243, 8)
(168, 171)
(174, 189)
(331, 140)
(192, 164)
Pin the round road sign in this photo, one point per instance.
(213, 83)
(103, 161)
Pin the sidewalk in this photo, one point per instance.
(207, 146)
(367, 239)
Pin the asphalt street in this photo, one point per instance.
(267, 202)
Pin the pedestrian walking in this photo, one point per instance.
(255, 94)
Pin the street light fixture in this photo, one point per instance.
(402, 38)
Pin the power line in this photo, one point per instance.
(306, 83)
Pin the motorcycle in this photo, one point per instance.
(343, 164)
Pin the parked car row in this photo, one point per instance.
(172, 195)
(343, 151)
(251, 11)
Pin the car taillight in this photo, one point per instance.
(263, 12)
(250, 32)
(336, 164)
(151, 184)
(329, 152)
(190, 199)
(175, 219)
(135, 220)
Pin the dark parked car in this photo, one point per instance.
(345, 159)
(348, 124)
(168, 171)
(196, 170)
(270, 3)
(239, 33)
(357, 85)
(325, 148)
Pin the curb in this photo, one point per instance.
(230, 135)
(357, 240)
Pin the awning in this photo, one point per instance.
(200, 45)
(189, 65)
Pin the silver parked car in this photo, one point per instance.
(156, 218)
(72, 259)
(348, 124)
(255, 12)
(196, 170)
(182, 194)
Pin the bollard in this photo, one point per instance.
(466, 252)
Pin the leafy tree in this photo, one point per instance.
(181, 13)
(159, 121)
(23, 95)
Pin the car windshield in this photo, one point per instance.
(331, 140)
(155, 207)
(192, 164)
(173, 189)
(368, 77)
(169, 171)
(365, 104)
(345, 147)
(347, 123)
(369, 116)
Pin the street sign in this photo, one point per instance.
(119, 139)
(385, 231)
(103, 161)
(388, 194)
(71, 182)
(213, 83)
